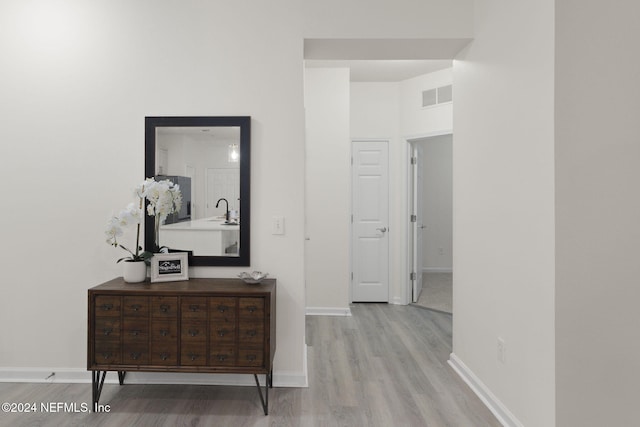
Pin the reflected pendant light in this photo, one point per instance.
(234, 153)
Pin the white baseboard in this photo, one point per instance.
(437, 270)
(71, 375)
(494, 404)
(328, 311)
(397, 301)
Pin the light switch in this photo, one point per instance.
(277, 226)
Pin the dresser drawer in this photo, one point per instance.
(222, 332)
(251, 333)
(135, 306)
(135, 354)
(107, 328)
(222, 356)
(193, 331)
(223, 308)
(164, 307)
(251, 308)
(135, 330)
(193, 354)
(107, 353)
(193, 308)
(164, 330)
(164, 354)
(250, 357)
(106, 305)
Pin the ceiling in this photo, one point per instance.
(383, 70)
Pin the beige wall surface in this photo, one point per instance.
(503, 225)
(597, 213)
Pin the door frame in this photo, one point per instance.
(407, 289)
(351, 194)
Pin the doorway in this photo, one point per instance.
(430, 228)
(370, 221)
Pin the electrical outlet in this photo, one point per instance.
(502, 351)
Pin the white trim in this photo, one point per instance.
(501, 412)
(437, 270)
(75, 375)
(328, 311)
(397, 301)
(419, 136)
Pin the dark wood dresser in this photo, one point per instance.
(197, 325)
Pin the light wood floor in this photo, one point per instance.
(385, 366)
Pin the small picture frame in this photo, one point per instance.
(170, 267)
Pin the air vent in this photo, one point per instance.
(429, 97)
(437, 96)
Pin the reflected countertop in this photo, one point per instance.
(211, 223)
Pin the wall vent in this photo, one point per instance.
(437, 96)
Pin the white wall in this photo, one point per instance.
(77, 81)
(416, 120)
(597, 213)
(503, 241)
(327, 190)
(398, 19)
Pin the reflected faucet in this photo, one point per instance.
(226, 216)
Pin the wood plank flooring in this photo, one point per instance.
(384, 366)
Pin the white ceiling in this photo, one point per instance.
(382, 70)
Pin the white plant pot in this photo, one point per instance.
(134, 271)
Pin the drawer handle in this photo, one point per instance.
(193, 356)
(222, 357)
(106, 356)
(136, 307)
(164, 308)
(252, 308)
(106, 307)
(164, 332)
(134, 356)
(222, 308)
(164, 356)
(251, 357)
(194, 307)
(135, 332)
(252, 333)
(222, 332)
(107, 331)
(193, 332)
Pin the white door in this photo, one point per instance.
(417, 222)
(370, 228)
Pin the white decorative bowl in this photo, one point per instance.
(253, 277)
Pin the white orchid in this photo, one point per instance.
(164, 199)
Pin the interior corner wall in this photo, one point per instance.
(503, 224)
(327, 189)
(598, 213)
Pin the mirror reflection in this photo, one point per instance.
(205, 156)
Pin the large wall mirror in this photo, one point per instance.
(210, 159)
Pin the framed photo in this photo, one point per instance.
(170, 267)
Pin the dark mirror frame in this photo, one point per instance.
(244, 123)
